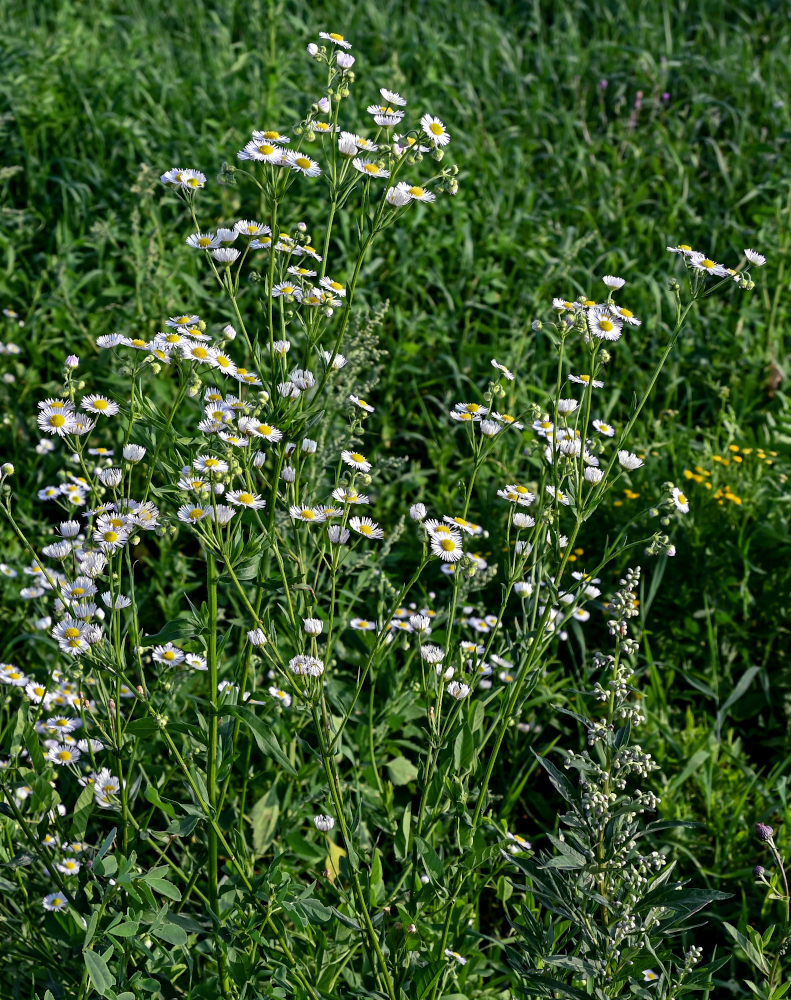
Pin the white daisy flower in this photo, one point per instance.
(336, 39)
(606, 429)
(603, 324)
(54, 901)
(361, 403)
(363, 625)
(392, 97)
(365, 526)
(203, 241)
(680, 500)
(191, 180)
(356, 460)
(447, 547)
(435, 130)
(370, 168)
(168, 654)
(62, 753)
(99, 404)
(191, 514)
(755, 258)
(241, 498)
(271, 135)
(418, 193)
(611, 281)
(501, 368)
(249, 227)
(304, 164)
(210, 465)
(702, 263)
(282, 696)
(312, 515)
(586, 380)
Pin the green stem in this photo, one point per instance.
(211, 763)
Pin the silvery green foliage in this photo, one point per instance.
(603, 910)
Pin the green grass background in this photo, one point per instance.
(562, 179)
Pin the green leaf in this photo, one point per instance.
(33, 745)
(152, 795)
(171, 933)
(402, 771)
(464, 749)
(83, 808)
(430, 859)
(264, 816)
(162, 886)
(376, 889)
(401, 841)
(101, 977)
(143, 728)
(179, 628)
(426, 977)
(129, 928)
(106, 844)
(263, 735)
(316, 912)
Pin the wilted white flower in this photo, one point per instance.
(629, 460)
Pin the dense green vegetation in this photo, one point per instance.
(588, 137)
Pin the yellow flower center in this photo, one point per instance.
(606, 325)
(371, 168)
(204, 241)
(337, 38)
(245, 498)
(436, 128)
(417, 192)
(196, 513)
(169, 655)
(57, 420)
(707, 263)
(303, 162)
(681, 498)
(272, 135)
(307, 515)
(110, 536)
(357, 457)
(448, 544)
(64, 755)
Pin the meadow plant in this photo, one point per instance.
(250, 740)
